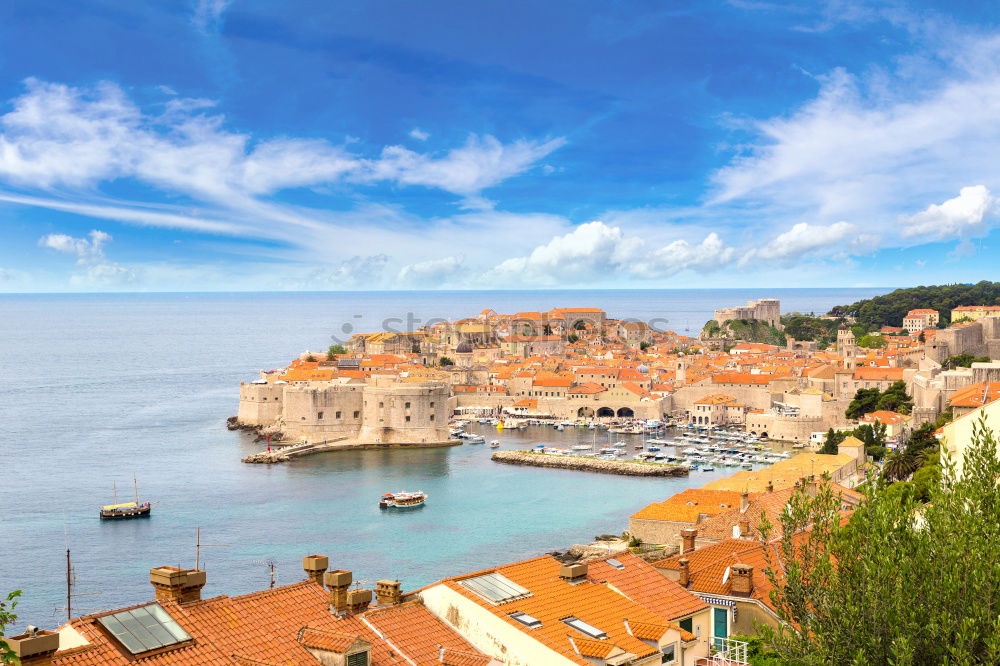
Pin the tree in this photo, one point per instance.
(571, 338)
(863, 403)
(895, 399)
(334, 350)
(644, 345)
(310, 359)
(901, 464)
(445, 361)
(832, 443)
(7, 617)
(963, 361)
(901, 582)
(872, 341)
(873, 437)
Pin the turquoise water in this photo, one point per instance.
(98, 387)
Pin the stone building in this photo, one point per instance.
(382, 411)
(766, 309)
(919, 319)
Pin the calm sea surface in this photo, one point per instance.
(98, 387)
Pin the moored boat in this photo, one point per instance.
(402, 500)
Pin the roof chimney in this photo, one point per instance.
(685, 577)
(744, 528)
(741, 580)
(314, 566)
(180, 585)
(388, 592)
(338, 581)
(358, 601)
(770, 486)
(34, 648)
(573, 572)
(744, 501)
(688, 536)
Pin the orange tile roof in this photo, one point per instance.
(878, 374)
(976, 395)
(740, 378)
(418, 633)
(274, 627)
(554, 599)
(642, 583)
(587, 388)
(688, 505)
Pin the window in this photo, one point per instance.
(358, 659)
(381, 405)
(687, 624)
(319, 415)
(337, 415)
(432, 417)
(584, 628)
(669, 654)
(526, 620)
(145, 628)
(406, 405)
(432, 404)
(357, 414)
(407, 418)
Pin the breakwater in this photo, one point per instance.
(584, 464)
(286, 453)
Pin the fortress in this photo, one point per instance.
(383, 410)
(766, 310)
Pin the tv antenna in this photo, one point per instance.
(198, 545)
(269, 563)
(71, 585)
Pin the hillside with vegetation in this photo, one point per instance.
(889, 310)
(805, 327)
(744, 330)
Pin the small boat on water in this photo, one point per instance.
(402, 500)
(495, 444)
(475, 439)
(125, 510)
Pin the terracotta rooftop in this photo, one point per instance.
(641, 582)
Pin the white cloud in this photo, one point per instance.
(208, 14)
(59, 136)
(595, 250)
(802, 239)
(94, 269)
(7, 275)
(419, 134)
(358, 272)
(87, 250)
(868, 145)
(431, 273)
(960, 217)
(104, 274)
(479, 164)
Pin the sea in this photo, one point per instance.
(99, 389)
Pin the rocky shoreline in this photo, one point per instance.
(584, 464)
(260, 432)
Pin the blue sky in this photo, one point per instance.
(244, 145)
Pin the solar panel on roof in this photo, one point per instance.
(615, 563)
(145, 628)
(527, 620)
(495, 588)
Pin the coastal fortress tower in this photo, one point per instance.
(766, 309)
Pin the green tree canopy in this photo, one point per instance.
(832, 443)
(445, 361)
(964, 360)
(864, 402)
(872, 341)
(334, 350)
(889, 309)
(901, 582)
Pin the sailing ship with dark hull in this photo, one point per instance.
(126, 510)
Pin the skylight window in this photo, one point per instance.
(584, 628)
(527, 620)
(145, 628)
(615, 563)
(495, 588)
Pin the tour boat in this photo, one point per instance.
(402, 500)
(124, 510)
